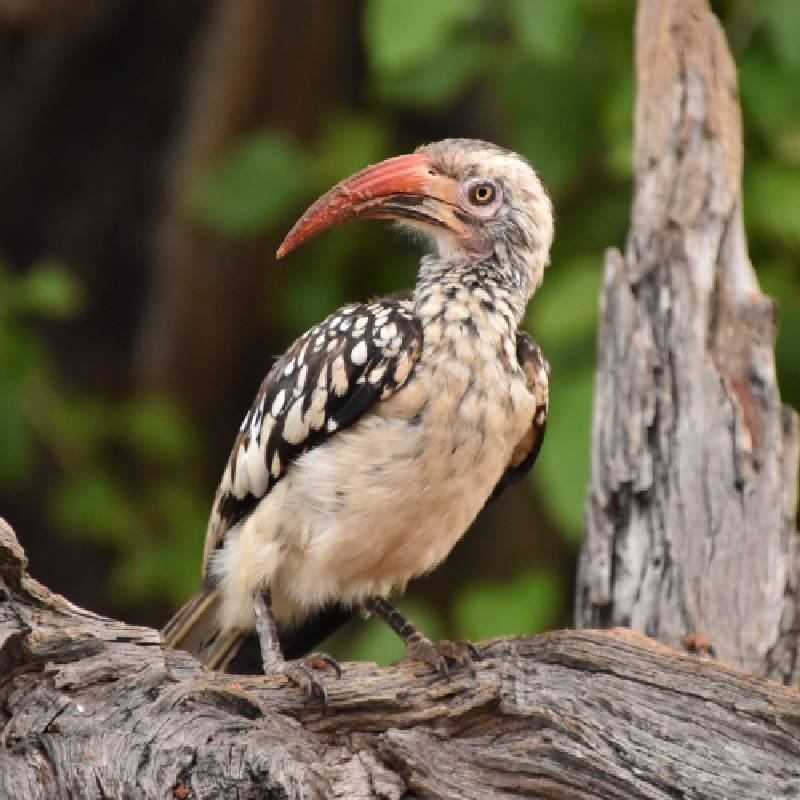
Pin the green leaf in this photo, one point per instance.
(348, 144)
(16, 452)
(602, 221)
(252, 185)
(434, 80)
(786, 353)
(400, 33)
(782, 20)
(769, 100)
(562, 469)
(781, 280)
(552, 114)
(167, 567)
(6, 292)
(84, 419)
(772, 200)
(315, 291)
(398, 269)
(564, 313)
(156, 428)
(21, 355)
(526, 605)
(618, 118)
(48, 289)
(92, 505)
(548, 29)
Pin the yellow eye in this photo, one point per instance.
(481, 194)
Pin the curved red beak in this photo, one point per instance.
(403, 187)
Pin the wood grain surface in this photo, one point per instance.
(91, 707)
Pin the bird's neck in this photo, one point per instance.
(484, 288)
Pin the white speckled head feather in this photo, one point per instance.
(520, 228)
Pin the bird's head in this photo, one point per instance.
(472, 199)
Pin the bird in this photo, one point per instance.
(378, 436)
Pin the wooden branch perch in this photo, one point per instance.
(690, 523)
(95, 708)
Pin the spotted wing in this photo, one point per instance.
(537, 372)
(324, 382)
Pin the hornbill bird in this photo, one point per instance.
(379, 435)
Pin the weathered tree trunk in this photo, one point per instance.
(690, 523)
(91, 708)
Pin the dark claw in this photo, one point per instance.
(302, 677)
(460, 653)
(473, 650)
(443, 668)
(301, 674)
(440, 655)
(323, 661)
(469, 664)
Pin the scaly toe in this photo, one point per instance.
(302, 674)
(426, 651)
(465, 644)
(323, 661)
(463, 653)
(443, 655)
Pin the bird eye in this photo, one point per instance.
(481, 194)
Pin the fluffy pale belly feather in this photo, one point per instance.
(378, 504)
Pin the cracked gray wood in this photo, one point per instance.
(690, 518)
(93, 708)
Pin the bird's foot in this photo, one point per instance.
(302, 673)
(444, 655)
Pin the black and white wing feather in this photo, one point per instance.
(325, 381)
(537, 374)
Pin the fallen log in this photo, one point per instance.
(92, 707)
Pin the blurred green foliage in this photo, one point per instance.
(529, 602)
(145, 515)
(150, 515)
(46, 290)
(232, 195)
(552, 79)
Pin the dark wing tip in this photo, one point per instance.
(537, 371)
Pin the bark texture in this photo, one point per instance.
(690, 524)
(91, 708)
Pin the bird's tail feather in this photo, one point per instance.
(195, 629)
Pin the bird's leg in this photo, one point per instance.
(299, 672)
(267, 631)
(418, 646)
